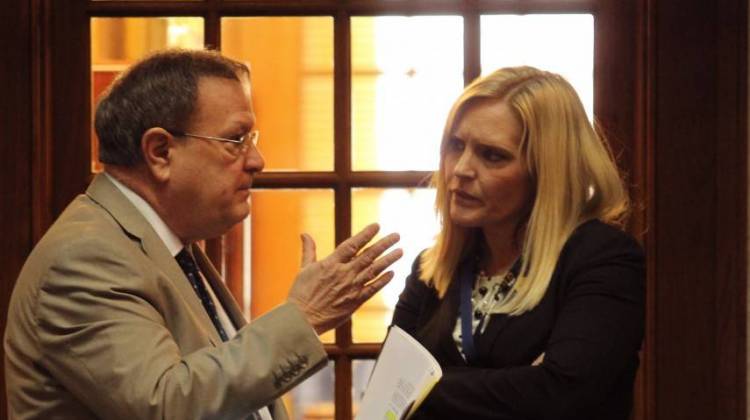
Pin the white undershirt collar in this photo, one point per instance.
(173, 243)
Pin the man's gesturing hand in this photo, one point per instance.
(329, 291)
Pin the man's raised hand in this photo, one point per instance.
(329, 290)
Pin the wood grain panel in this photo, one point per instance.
(699, 188)
(15, 149)
(68, 93)
(731, 208)
(685, 131)
(618, 103)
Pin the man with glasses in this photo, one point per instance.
(118, 314)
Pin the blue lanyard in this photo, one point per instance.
(466, 280)
(466, 312)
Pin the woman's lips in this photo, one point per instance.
(465, 199)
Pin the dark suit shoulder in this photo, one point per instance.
(415, 282)
(416, 266)
(595, 240)
(412, 299)
(600, 259)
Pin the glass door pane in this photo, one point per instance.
(361, 371)
(291, 60)
(277, 219)
(313, 398)
(410, 212)
(562, 44)
(406, 73)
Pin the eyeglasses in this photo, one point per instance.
(240, 144)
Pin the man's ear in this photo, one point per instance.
(157, 147)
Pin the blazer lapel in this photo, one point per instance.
(486, 341)
(109, 197)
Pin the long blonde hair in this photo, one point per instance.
(571, 168)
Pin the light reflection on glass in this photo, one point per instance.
(410, 212)
(361, 371)
(406, 73)
(277, 219)
(313, 398)
(561, 43)
(291, 59)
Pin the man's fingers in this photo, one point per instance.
(372, 252)
(369, 290)
(308, 249)
(378, 266)
(349, 248)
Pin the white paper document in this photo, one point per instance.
(403, 375)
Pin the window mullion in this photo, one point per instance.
(472, 64)
(221, 256)
(343, 198)
(212, 29)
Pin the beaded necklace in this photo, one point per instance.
(490, 291)
(479, 299)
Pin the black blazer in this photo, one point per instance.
(589, 325)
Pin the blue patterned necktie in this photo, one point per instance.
(187, 263)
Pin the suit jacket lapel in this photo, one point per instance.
(106, 194)
(486, 341)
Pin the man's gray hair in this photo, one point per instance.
(159, 91)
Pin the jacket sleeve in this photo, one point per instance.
(102, 336)
(594, 342)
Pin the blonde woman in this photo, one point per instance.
(532, 296)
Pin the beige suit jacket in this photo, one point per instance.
(102, 323)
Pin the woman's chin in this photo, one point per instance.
(465, 220)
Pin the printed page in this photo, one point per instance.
(404, 374)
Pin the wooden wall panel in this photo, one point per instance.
(731, 203)
(699, 232)
(619, 58)
(68, 74)
(616, 72)
(15, 150)
(685, 167)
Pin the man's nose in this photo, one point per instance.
(254, 161)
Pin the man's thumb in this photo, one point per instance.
(308, 249)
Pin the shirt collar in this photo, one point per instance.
(173, 243)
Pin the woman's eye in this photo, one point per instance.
(492, 155)
(455, 144)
